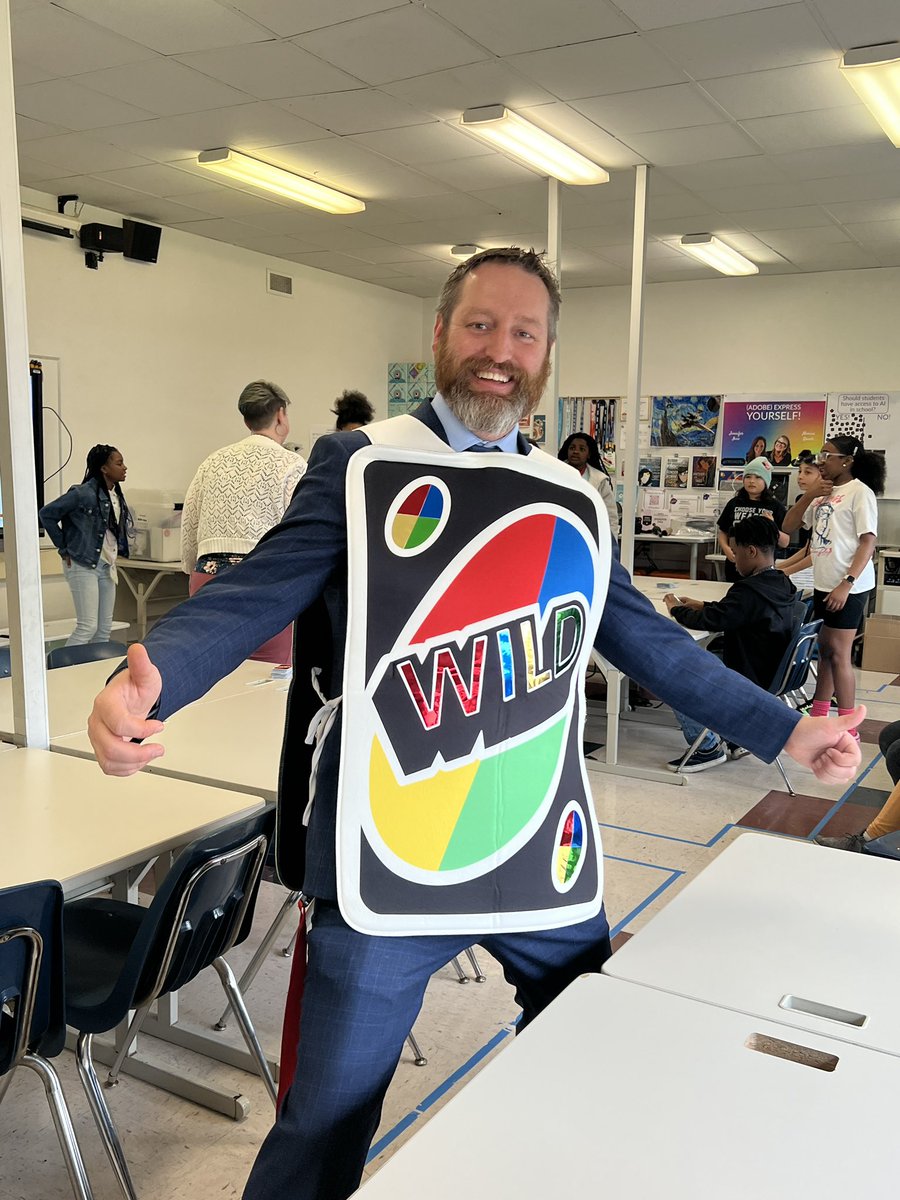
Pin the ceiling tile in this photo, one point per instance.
(784, 90)
(865, 210)
(62, 102)
(807, 130)
(28, 130)
(290, 17)
(277, 244)
(218, 201)
(791, 242)
(154, 178)
(220, 228)
(862, 23)
(63, 44)
(621, 64)
(390, 45)
(509, 27)
(868, 158)
(160, 211)
(446, 94)
(752, 41)
(653, 14)
(24, 73)
(450, 204)
(360, 111)
(678, 106)
(674, 146)
(387, 254)
(487, 170)
(760, 195)
(876, 233)
(846, 257)
(338, 264)
(430, 143)
(33, 172)
(243, 126)
(270, 70)
(389, 182)
(727, 172)
(804, 216)
(884, 186)
(163, 87)
(170, 26)
(81, 154)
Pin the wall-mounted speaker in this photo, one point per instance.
(140, 241)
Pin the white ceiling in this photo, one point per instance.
(737, 104)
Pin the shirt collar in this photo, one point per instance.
(461, 438)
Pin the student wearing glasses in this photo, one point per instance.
(842, 514)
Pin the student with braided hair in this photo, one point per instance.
(841, 511)
(88, 525)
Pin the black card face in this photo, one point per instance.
(475, 591)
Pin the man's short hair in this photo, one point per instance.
(259, 403)
(513, 256)
(755, 531)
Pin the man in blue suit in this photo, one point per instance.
(495, 329)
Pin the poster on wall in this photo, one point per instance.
(684, 420)
(408, 385)
(703, 470)
(778, 427)
(873, 418)
(730, 480)
(676, 472)
(649, 470)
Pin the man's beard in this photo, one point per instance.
(484, 413)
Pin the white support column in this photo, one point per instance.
(635, 362)
(554, 258)
(20, 527)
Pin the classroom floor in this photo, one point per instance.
(656, 837)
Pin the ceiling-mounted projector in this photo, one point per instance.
(42, 221)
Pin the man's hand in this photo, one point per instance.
(824, 745)
(120, 714)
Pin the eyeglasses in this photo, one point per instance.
(826, 454)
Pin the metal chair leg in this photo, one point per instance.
(134, 1028)
(787, 782)
(461, 976)
(62, 1120)
(479, 974)
(250, 971)
(288, 950)
(695, 744)
(106, 1127)
(418, 1057)
(229, 983)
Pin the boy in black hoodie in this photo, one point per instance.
(757, 618)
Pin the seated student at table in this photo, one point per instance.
(753, 499)
(757, 617)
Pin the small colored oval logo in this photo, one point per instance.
(417, 517)
(568, 857)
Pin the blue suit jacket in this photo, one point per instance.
(299, 571)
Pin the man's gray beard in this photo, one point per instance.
(489, 416)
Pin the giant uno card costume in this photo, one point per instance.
(476, 583)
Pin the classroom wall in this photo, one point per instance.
(153, 356)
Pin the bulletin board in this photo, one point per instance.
(874, 418)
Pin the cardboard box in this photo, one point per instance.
(881, 647)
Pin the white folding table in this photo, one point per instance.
(134, 573)
(71, 692)
(622, 1091)
(786, 930)
(63, 819)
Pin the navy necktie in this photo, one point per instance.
(481, 448)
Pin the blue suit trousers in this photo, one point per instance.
(361, 999)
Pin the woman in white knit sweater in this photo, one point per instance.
(239, 493)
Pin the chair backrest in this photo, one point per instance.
(31, 972)
(71, 656)
(5, 663)
(203, 907)
(794, 667)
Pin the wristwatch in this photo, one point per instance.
(849, 579)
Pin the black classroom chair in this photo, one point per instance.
(72, 656)
(32, 1028)
(121, 956)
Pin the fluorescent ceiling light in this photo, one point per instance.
(532, 146)
(716, 254)
(253, 173)
(874, 74)
(464, 250)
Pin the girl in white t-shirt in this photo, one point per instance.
(842, 514)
